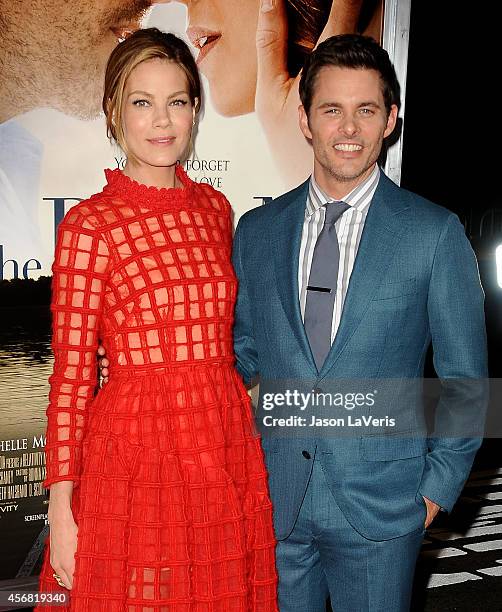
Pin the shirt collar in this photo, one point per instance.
(358, 198)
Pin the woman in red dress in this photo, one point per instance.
(158, 490)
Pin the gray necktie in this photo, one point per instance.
(321, 289)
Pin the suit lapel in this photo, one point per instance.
(382, 230)
(287, 235)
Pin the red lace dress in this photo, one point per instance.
(170, 489)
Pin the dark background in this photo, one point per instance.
(452, 130)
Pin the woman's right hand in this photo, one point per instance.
(63, 541)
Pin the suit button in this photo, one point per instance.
(317, 390)
(306, 454)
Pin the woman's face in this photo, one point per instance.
(157, 113)
(224, 32)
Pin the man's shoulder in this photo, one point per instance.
(419, 207)
(265, 213)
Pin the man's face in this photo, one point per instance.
(347, 123)
(69, 43)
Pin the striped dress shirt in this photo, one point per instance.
(349, 229)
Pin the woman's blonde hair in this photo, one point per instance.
(141, 46)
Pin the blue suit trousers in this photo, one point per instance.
(324, 556)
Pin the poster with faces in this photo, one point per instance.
(53, 142)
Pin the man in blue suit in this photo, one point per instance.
(349, 276)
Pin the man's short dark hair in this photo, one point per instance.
(350, 51)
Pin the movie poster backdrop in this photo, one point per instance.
(53, 150)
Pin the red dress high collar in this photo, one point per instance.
(120, 184)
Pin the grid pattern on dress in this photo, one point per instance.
(172, 503)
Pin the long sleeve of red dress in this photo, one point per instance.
(79, 272)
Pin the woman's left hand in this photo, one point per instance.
(277, 97)
(103, 364)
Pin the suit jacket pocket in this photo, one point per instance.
(389, 291)
(391, 448)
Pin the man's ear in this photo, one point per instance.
(391, 121)
(304, 122)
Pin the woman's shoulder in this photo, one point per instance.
(95, 212)
(216, 198)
